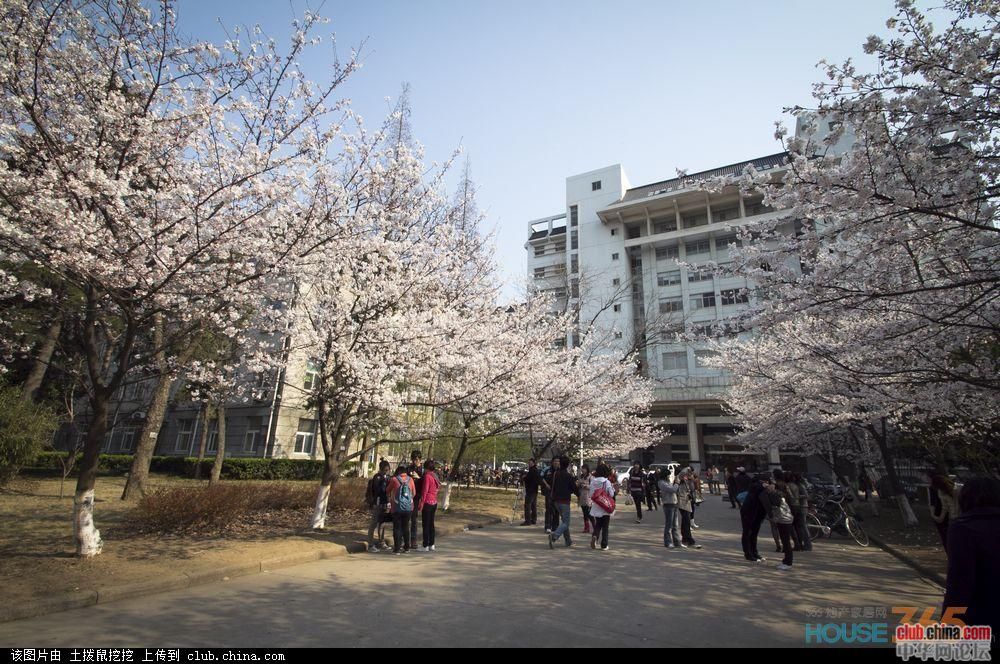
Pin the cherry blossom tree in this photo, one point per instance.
(155, 177)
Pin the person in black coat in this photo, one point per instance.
(531, 482)
(753, 511)
(973, 551)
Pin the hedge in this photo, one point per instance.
(235, 468)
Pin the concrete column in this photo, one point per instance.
(773, 458)
(693, 440)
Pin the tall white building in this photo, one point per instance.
(642, 266)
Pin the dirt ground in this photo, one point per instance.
(922, 544)
(37, 551)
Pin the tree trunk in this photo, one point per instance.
(202, 439)
(41, 364)
(139, 472)
(87, 536)
(331, 466)
(905, 510)
(461, 450)
(220, 447)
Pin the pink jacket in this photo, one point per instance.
(429, 486)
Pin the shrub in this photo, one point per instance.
(235, 468)
(24, 428)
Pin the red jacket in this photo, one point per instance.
(428, 491)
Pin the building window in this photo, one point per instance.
(539, 273)
(574, 241)
(312, 376)
(539, 251)
(671, 278)
(734, 296)
(614, 231)
(618, 335)
(128, 440)
(616, 282)
(252, 435)
(755, 205)
(574, 216)
(703, 300)
(725, 241)
(675, 361)
(574, 263)
(185, 436)
(699, 247)
(669, 251)
(213, 437)
(618, 308)
(699, 275)
(575, 289)
(614, 256)
(691, 220)
(305, 437)
(671, 304)
(665, 224)
(726, 214)
(595, 186)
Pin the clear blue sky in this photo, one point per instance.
(537, 91)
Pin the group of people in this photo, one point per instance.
(783, 501)
(406, 497)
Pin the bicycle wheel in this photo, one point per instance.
(856, 531)
(813, 527)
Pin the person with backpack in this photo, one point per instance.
(378, 503)
(602, 497)
(427, 505)
(401, 492)
(778, 503)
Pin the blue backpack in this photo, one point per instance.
(404, 501)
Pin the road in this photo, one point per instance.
(502, 586)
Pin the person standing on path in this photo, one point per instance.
(943, 503)
(584, 498)
(551, 515)
(973, 551)
(776, 499)
(752, 515)
(731, 488)
(636, 487)
(602, 495)
(668, 493)
(415, 470)
(401, 491)
(563, 488)
(531, 482)
(685, 503)
(427, 504)
(378, 504)
(798, 514)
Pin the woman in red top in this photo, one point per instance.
(427, 504)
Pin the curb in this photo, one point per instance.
(83, 598)
(925, 571)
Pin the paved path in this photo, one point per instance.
(503, 586)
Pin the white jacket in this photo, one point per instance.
(596, 483)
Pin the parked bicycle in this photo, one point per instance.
(832, 517)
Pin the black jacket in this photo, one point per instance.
(742, 482)
(973, 572)
(531, 480)
(563, 486)
(756, 506)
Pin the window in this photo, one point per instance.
(575, 289)
(724, 241)
(539, 273)
(574, 263)
(312, 376)
(726, 213)
(614, 256)
(618, 335)
(305, 437)
(185, 436)
(675, 361)
(616, 282)
(539, 251)
(574, 241)
(668, 251)
(664, 224)
(671, 278)
(693, 219)
(734, 296)
(618, 308)
(703, 300)
(698, 247)
(632, 232)
(128, 440)
(703, 357)
(755, 205)
(574, 216)
(595, 186)
(695, 276)
(671, 304)
(614, 231)
(252, 435)
(213, 436)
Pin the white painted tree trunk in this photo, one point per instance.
(909, 518)
(446, 501)
(88, 537)
(322, 499)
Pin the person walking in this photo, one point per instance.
(651, 489)
(427, 504)
(798, 514)
(696, 495)
(532, 480)
(668, 493)
(943, 503)
(731, 488)
(551, 514)
(602, 496)
(752, 515)
(636, 487)
(563, 488)
(401, 492)
(584, 498)
(804, 536)
(685, 504)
